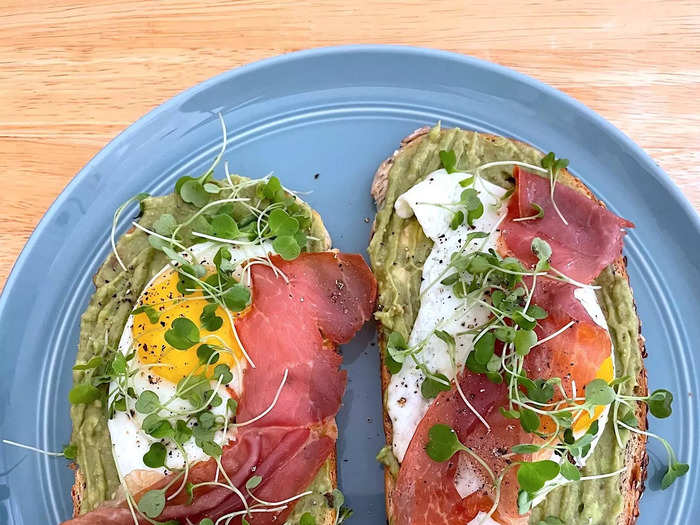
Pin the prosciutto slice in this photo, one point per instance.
(590, 242)
(292, 326)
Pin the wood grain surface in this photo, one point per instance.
(74, 74)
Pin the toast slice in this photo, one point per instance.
(631, 481)
(314, 500)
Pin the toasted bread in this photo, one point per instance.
(328, 517)
(636, 459)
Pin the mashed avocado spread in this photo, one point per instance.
(398, 251)
(102, 325)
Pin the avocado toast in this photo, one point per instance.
(216, 426)
(399, 249)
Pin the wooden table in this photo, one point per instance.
(73, 75)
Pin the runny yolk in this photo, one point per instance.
(149, 338)
(584, 421)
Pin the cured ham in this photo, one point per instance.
(328, 298)
(590, 242)
(425, 491)
(294, 324)
(578, 352)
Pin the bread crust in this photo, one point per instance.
(636, 458)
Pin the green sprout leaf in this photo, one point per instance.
(236, 297)
(505, 333)
(155, 457)
(524, 340)
(253, 482)
(539, 213)
(225, 227)
(182, 432)
(90, 365)
(156, 426)
(224, 372)
(223, 256)
(338, 498)
(659, 403)
(83, 394)
(569, 471)
(232, 406)
(529, 420)
(281, 223)
(118, 364)
(543, 252)
(525, 449)
(70, 451)
(466, 182)
(431, 387)
(272, 190)
(307, 519)
(448, 159)
(396, 347)
(212, 188)
(207, 355)
(194, 193)
(189, 489)
(287, 247)
(524, 501)
(147, 402)
(165, 225)
(443, 443)
(469, 198)
(183, 334)
(457, 220)
(152, 314)
(628, 418)
(450, 279)
(509, 414)
(206, 420)
(210, 321)
(536, 312)
(152, 503)
(539, 390)
(675, 471)
(532, 476)
(208, 521)
(211, 449)
(484, 348)
(598, 392)
(186, 278)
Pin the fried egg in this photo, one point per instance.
(439, 307)
(158, 367)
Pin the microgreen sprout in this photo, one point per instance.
(140, 197)
(448, 159)
(539, 213)
(553, 166)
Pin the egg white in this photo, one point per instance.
(405, 403)
(129, 442)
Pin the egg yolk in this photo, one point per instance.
(584, 421)
(149, 338)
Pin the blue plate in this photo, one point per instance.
(323, 120)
